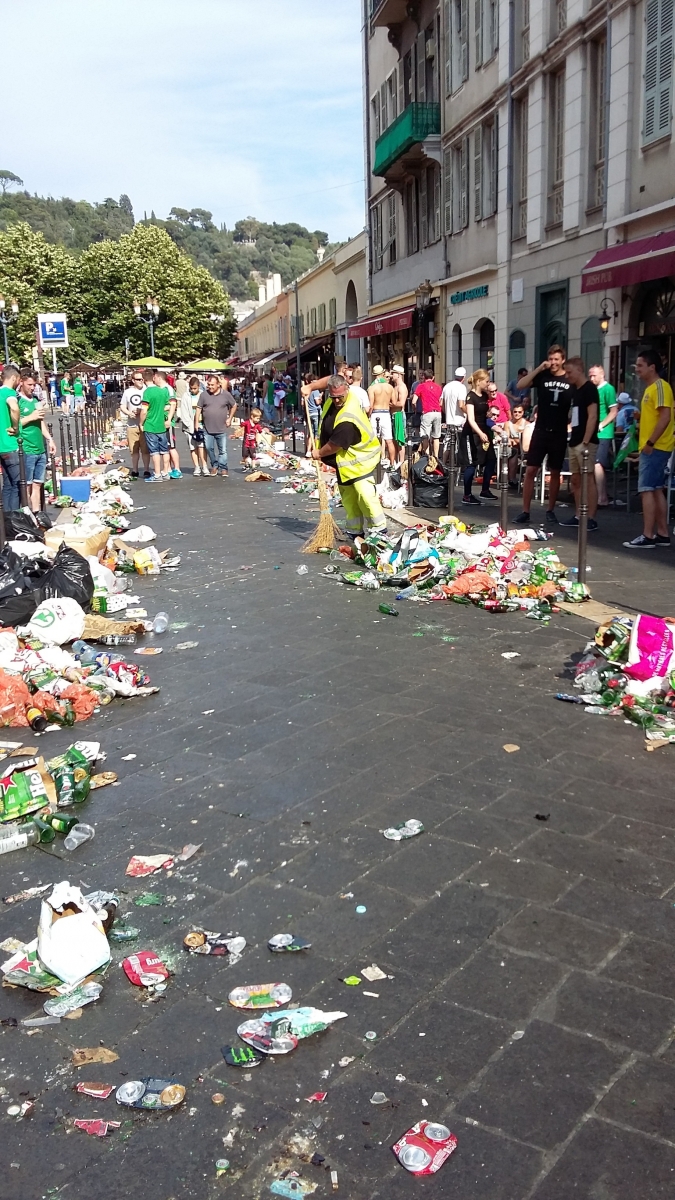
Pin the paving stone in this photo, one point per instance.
(520, 876)
(652, 840)
(625, 868)
(613, 1011)
(612, 906)
(610, 1163)
(542, 1085)
(424, 865)
(556, 935)
(644, 965)
(644, 1098)
(502, 984)
(562, 815)
(484, 830)
(339, 930)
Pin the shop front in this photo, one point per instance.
(393, 337)
(470, 317)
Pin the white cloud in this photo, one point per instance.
(241, 108)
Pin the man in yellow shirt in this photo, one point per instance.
(657, 440)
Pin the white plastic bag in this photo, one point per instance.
(71, 944)
(56, 621)
(142, 533)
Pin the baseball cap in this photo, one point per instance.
(461, 372)
(399, 369)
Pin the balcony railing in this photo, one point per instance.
(414, 124)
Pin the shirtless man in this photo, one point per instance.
(382, 396)
(398, 411)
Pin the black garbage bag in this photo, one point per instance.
(69, 575)
(18, 597)
(22, 526)
(431, 491)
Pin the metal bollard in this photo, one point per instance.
(52, 467)
(583, 517)
(78, 449)
(23, 489)
(504, 481)
(63, 445)
(378, 469)
(452, 469)
(293, 431)
(411, 478)
(3, 533)
(71, 457)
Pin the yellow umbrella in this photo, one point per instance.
(204, 364)
(148, 362)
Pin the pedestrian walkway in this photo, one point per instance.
(526, 935)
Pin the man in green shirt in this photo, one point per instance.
(155, 419)
(66, 389)
(607, 410)
(9, 454)
(34, 433)
(78, 394)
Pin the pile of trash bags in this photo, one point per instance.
(496, 571)
(628, 670)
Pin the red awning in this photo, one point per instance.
(387, 323)
(630, 262)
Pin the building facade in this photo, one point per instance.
(512, 149)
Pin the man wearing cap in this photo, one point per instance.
(454, 399)
(346, 441)
(398, 411)
(381, 395)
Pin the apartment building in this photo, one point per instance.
(521, 181)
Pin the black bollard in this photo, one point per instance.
(52, 467)
(23, 489)
(63, 445)
(583, 518)
(452, 469)
(3, 534)
(71, 457)
(78, 449)
(411, 477)
(504, 481)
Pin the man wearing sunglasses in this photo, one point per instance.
(130, 405)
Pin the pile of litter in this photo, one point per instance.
(44, 797)
(496, 571)
(629, 670)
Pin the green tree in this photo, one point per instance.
(41, 277)
(112, 275)
(7, 178)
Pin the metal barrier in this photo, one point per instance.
(583, 517)
(504, 449)
(452, 468)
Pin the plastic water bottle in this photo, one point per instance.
(79, 833)
(160, 623)
(85, 653)
(16, 837)
(407, 593)
(301, 570)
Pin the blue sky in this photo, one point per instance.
(243, 107)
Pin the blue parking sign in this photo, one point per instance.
(53, 329)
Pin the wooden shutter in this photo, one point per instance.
(384, 114)
(401, 87)
(436, 174)
(447, 190)
(448, 46)
(478, 173)
(478, 29)
(464, 184)
(464, 38)
(421, 69)
(424, 212)
(658, 75)
(377, 124)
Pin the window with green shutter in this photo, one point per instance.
(658, 72)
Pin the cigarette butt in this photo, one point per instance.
(334, 1180)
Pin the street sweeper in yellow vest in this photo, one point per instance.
(347, 442)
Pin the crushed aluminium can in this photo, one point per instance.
(425, 1147)
(260, 995)
(241, 1056)
(145, 969)
(204, 941)
(407, 829)
(287, 941)
(100, 1091)
(150, 1093)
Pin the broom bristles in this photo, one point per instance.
(327, 531)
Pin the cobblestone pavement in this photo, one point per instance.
(530, 997)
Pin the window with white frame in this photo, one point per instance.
(485, 29)
(391, 233)
(658, 72)
(460, 185)
(598, 123)
(430, 204)
(456, 44)
(392, 97)
(376, 236)
(559, 17)
(521, 167)
(524, 30)
(412, 223)
(447, 191)
(556, 147)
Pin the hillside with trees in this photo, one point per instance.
(236, 257)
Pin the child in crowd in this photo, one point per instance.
(249, 445)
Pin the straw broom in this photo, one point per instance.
(327, 531)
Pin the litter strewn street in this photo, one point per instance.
(506, 973)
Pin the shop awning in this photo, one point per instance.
(630, 262)
(271, 358)
(325, 340)
(386, 323)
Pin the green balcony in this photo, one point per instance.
(415, 123)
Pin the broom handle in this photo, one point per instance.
(312, 442)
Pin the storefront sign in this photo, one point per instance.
(476, 293)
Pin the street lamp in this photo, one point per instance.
(604, 315)
(422, 298)
(150, 319)
(7, 318)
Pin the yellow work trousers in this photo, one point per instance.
(363, 508)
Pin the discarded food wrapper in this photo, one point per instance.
(510, 747)
(100, 1091)
(352, 980)
(28, 894)
(510, 654)
(102, 780)
(261, 995)
(316, 1097)
(406, 829)
(21, 1110)
(280, 1032)
(373, 973)
(24, 969)
(346, 1060)
(145, 969)
(97, 1054)
(425, 1147)
(146, 864)
(149, 650)
(188, 851)
(241, 1056)
(287, 941)
(186, 645)
(148, 899)
(150, 1093)
(71, 942)
(97, 1128)
(60, 1006)
(203, 941)
(292, 1187)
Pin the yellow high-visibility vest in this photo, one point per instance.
(359, 461)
